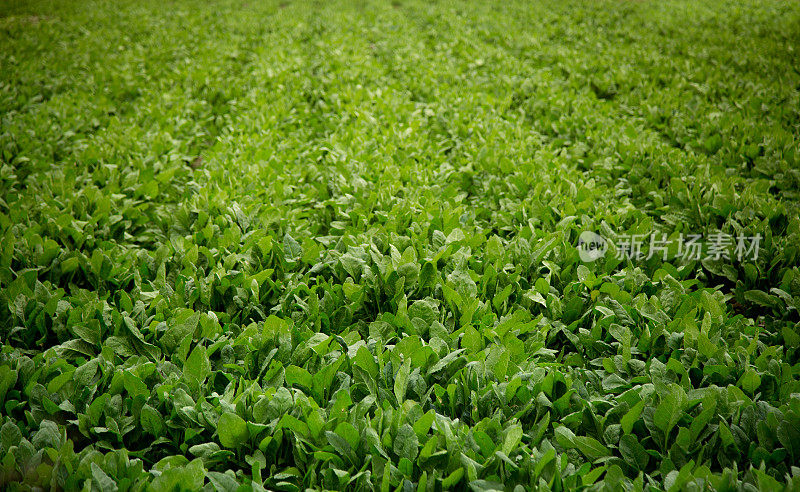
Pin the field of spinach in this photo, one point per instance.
(297, 245)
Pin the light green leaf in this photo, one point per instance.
(232, 430)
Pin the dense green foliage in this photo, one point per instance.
(333, 245)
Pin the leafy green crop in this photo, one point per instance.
(333, 245)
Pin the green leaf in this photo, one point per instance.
(591, 447)
(223, 482)
(631, 416)
(292, 423)
(406, 444)
(451, 480)
(10, 435)
(134, 386)
(197, 367)
(427, 275)
(542, 286)
(565, 437)
(232, 430)
(151, 421)
(670, 410)
(446, 361)
(85, 373)
(8, 378)
(401, 380)
(48, 435)
(101, 480)
(341, 446)
(512, 439)
(633, 452)
(205, 450)
(291, 248)
(423, 424)
(298, 376)
(750, 381)
(760, 297)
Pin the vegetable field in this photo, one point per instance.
(399, 245)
